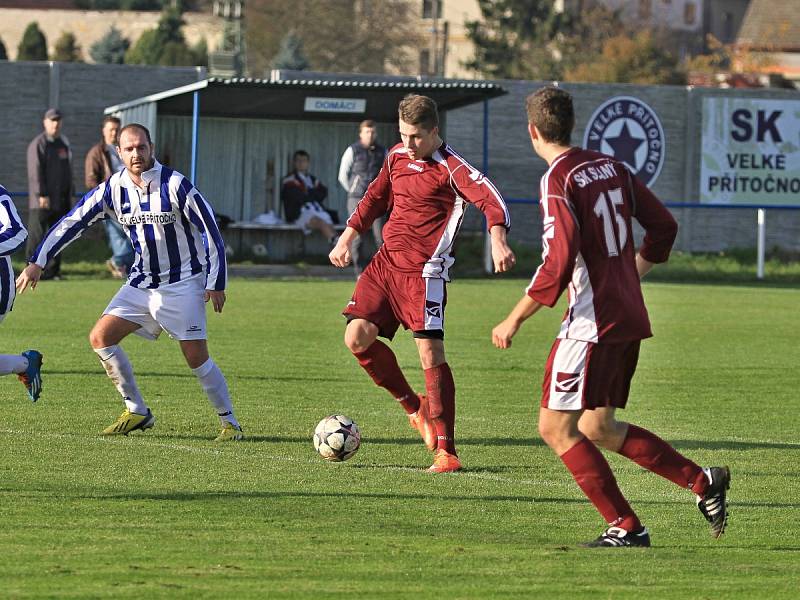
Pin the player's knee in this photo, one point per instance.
(357, 340)
(548, 433)
(601, 433)
(96, 339)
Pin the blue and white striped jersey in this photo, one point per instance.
(12, 236)
(171, 226)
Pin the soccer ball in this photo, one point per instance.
(337, 438)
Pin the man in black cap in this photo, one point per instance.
(49, 185)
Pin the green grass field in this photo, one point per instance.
(169, 514)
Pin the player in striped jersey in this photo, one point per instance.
(13, 234)
(425, 186)
(588, 202)
(180, 265)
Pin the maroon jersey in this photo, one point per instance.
(427, 198)
(588, 200)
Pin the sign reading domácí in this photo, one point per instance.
(336, 105)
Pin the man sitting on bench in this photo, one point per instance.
(302, 195)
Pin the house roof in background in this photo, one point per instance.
(771, 25)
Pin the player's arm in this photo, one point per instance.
(340, 255)
(89, 209)
(560, 243)
(12, 232)
(659, 225)
(477, 189)
(200, 213)
(375, 202)
(503, 332)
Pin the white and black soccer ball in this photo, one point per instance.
(337, 438)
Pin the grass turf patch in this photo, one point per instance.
(167, 513)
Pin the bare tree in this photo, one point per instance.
(356, 36)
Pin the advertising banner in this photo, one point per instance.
(750, 152)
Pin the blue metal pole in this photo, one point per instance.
(488, 264)
(195, 128)
(485, 137)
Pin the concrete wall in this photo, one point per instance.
(516, 170)
(81, 91)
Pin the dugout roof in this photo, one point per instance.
(287, 99)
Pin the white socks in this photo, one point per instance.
(120, 371)
(216, 388)
(12, 363)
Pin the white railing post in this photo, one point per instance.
(760, 249)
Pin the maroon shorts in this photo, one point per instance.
(583, 376)
(388, 299)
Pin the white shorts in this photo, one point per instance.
(177, 308)
(308, 212)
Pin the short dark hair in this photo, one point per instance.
(550, 110)
(136, 126)
(366, 123)
(420, 111)
(300, 153)
(111, 119)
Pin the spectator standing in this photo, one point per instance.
(102, 161)
(360, 165)
(49, 185)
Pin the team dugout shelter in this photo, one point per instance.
(234, 138)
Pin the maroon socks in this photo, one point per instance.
(380, 362)
(654, 454)
(441, 392)
(593, 475)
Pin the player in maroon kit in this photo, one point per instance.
(426, 186)
(587, 202)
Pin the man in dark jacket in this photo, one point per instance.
(102, 162)
(360, 164)
(49, 185)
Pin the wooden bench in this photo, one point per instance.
(277, 243)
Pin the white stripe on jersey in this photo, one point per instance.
(12, 235)
(438, 265)
(12, 231)
(580, 322)
(548, 227)
(481, 178)
(171, 227)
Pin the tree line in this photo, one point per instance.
(512, 39)
(163, 45)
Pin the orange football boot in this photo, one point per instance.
(444, 462)
(422, 423)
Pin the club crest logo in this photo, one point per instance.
(433, 309)
(568, 383)
(629, 130)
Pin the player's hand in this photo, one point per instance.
(44, 202)
(217, 299)
(502, 333)
(29, 278)
(503, 256)
(340, 255)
